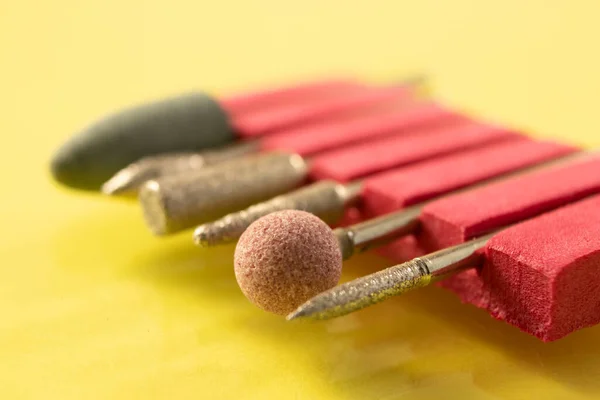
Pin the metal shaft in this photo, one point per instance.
(393, 281)
(377, 231)
(325, 199)
(128, 181)
(386, 228)
(179, 202)
(379, 286)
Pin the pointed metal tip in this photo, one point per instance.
(201, 236)
(300, 313)
(129, 180)
(315, 308)
(121, 184)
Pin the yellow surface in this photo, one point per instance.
(93, 306)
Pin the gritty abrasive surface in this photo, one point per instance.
(188, 122)
(285, 258)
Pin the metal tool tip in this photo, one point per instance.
(121, 184)
(202, 236)
(153, 207)
(299, 314)
(316, 308)
(364, 291)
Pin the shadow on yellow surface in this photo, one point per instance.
(95, 307)
(421, 343)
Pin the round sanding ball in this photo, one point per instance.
(188, 122)
(285, 258)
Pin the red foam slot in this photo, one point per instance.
(252, 101)
(460, 217)
(501, 287)
(357, 161)
(395, 189)
(542, 275)
(318, 138)
(300, 113)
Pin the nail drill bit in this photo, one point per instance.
(286, 257)
(508, 202)
(128, 180)
(243, 182)
(394, 281)
(538, 273)
(255, 179)
(387, 228)
(325, 199)
(169, 204)
(277, 275)
(329, 199)
(184, 123)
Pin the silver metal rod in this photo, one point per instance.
(129, 180)
(377, 231)
(175, 203)
(325, 199)
(386, 228)
(394, 281)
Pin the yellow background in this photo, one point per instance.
(93, 306)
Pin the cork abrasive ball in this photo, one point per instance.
(285, 258)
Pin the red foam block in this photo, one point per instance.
(318, 138)
(257, 100)
(357, 161)
(394, 190)
(398, 188)
(454, 219)
(460, 217)
(301, 113)
(543, 275)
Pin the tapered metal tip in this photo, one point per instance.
(299, 314)
(129, 180)
(123, 183)
(364, 292)
(201, 236)
(320, 307)
(325, 199)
